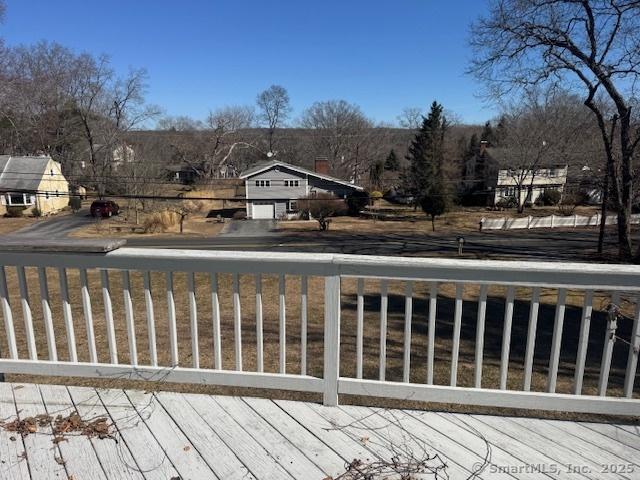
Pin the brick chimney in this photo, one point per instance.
(483, 147)
(322, 166)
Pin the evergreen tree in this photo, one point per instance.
(392, 162)
(425, 175)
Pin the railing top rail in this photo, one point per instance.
(523, 273)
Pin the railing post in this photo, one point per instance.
(331, 339)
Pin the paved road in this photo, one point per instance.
(534, 245)
(58, 226)
(249, 229)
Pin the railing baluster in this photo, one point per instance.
(171, 316)
(609, 340)
(259, 328)
(408, 313)
(583, 342)
(193, 319)
(482, 311)
(506, 337)
(331, 368)
(634, 347)
(26, 314)
(66, 313)
(359, 327)
(215, 313)
(108, 317)
(88, 316)
(46, 313)
(384, 285)
(8, 315)
(457, 324)
(282, 321)
(556, 341)
(431, 342)
(151, 320)
(531, 338)
(128, 315)
(237, 318)
(303, 325)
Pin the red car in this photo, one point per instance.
(104, 208)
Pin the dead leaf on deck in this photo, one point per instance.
(60, 461)
(364, 439)
(186, 448)
(18, 387)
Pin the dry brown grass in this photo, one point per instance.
(195, 225)
(459, 220)
(10, 225)
(444, 326)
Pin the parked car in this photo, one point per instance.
(104, 208)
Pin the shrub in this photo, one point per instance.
(569, 203)
(160, 221)
(75, 203)
(36, 212)
(549, 198)
(507, 202)
(322, 206)
(356, 202)
(14, 212)
(240, 215)
(375, 196)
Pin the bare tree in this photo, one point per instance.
(274, 106)
(107, 106)
(338, 128)
(591, 46)
(410, 118)
(224, 128)
(180, 123)
(540, 131)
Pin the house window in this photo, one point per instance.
(293, 205)
(19, 199)
(263, 183)
(292, 183)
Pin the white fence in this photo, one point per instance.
(551, 221)
(419, 331)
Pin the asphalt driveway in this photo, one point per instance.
(58, 226)
(249, 229)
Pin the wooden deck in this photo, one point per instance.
(171, 435)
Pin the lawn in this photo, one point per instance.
(9, 225)
(493, 336)
(456, 221)
(196, 225)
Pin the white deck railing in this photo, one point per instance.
(421, 280)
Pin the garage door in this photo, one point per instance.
(263, 210)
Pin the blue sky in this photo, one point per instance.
(382, 55)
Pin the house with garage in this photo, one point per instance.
(32, 183)
(273, 188)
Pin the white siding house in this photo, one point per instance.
(534, 183)
(272, 189)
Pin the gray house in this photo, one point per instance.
(273, 188)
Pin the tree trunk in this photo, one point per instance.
(433, 223)
(603, 212)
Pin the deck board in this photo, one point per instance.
(13, 465)
(45, 459)
(173, 435)
(114, 455)
(214, 451)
